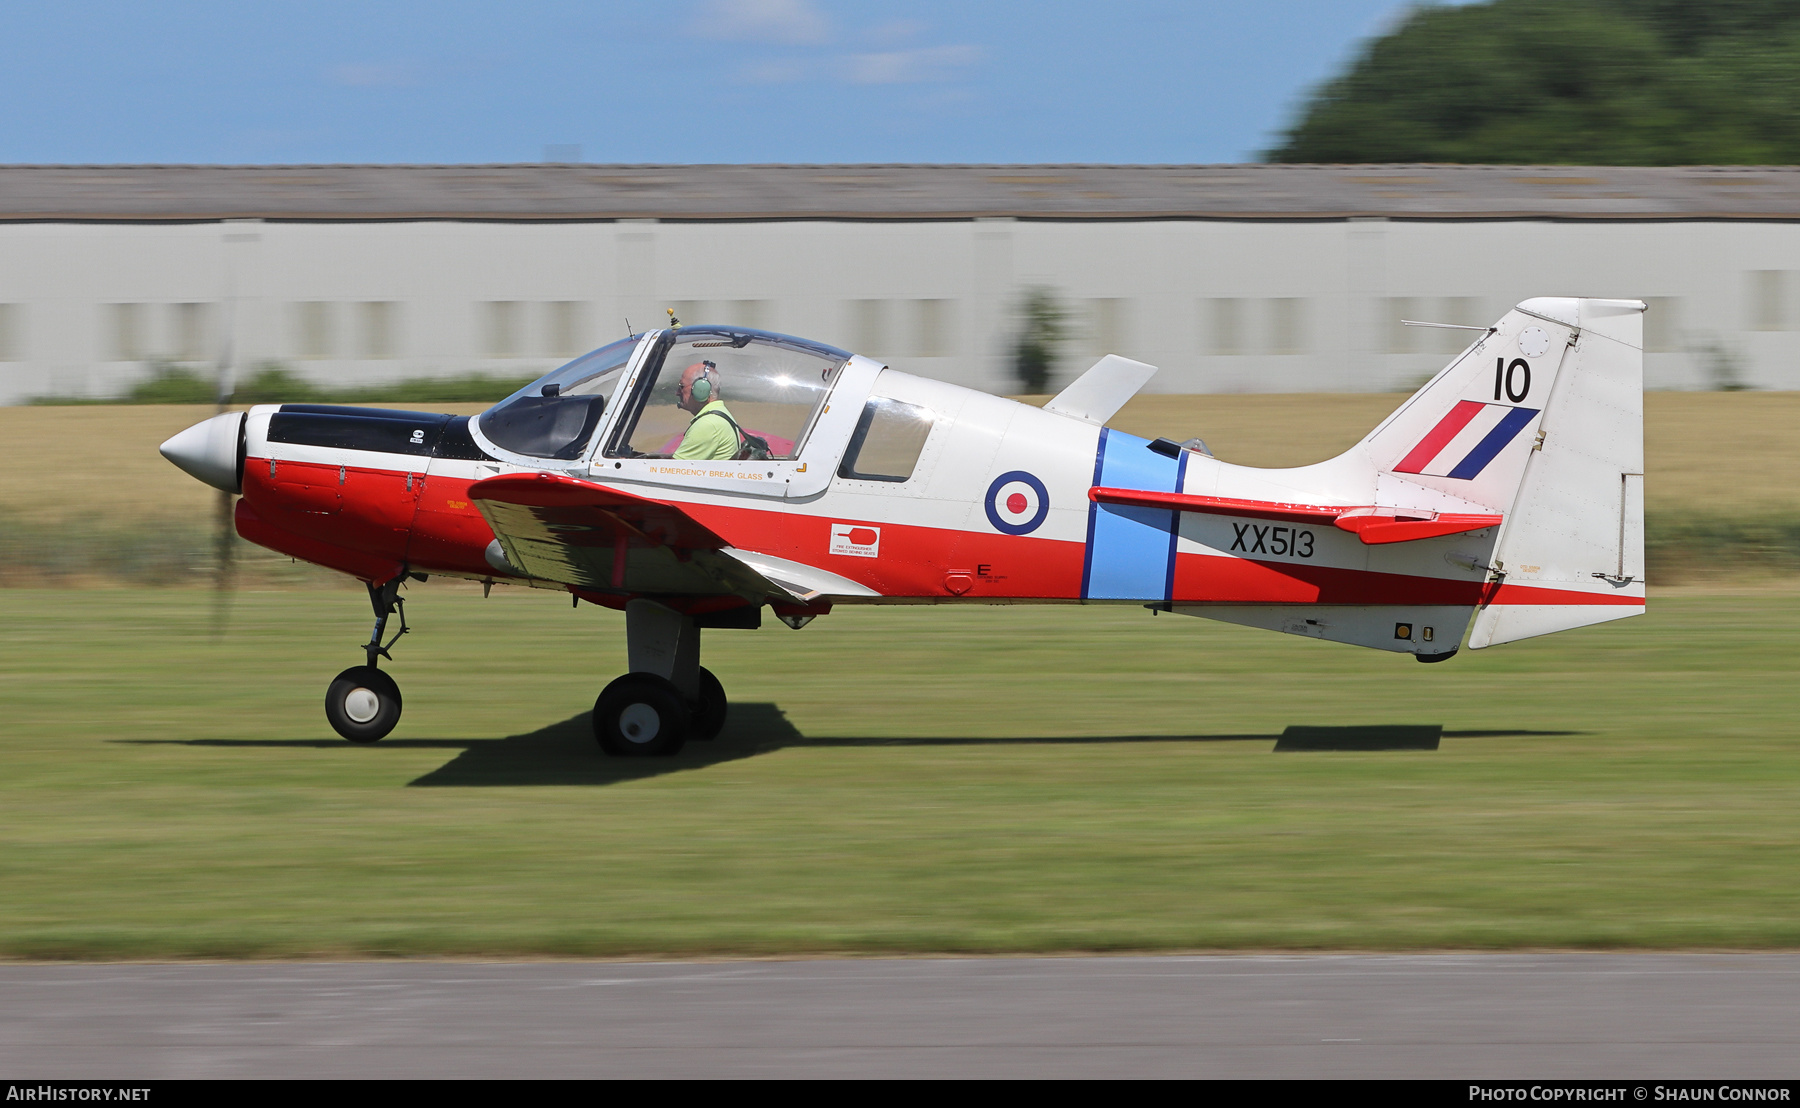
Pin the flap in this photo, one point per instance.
(1097, 394)
(805, 583)
(1373, 524)
(574, 532)
(597, 508)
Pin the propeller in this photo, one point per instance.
(224, 547)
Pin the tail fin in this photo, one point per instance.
(1571, 552)
(1542, 419)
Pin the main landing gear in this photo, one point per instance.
(363, 703)
(668, 697)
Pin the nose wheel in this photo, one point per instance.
(363, 704)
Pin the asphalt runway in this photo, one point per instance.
(1627, 1016)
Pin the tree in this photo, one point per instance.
(1596, 82)
(1042, 329)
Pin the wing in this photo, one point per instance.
(1371, 523)
(574, 532)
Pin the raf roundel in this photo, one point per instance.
(1017, 503)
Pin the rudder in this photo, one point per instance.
(1571, 552)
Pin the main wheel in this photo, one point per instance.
(363, 704)
(709, 712)
(641, 715)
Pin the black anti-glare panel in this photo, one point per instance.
(456, 442)
(343, 428)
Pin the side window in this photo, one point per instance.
(888, 439)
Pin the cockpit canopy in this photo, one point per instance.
(773, 386)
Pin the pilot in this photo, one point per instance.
(712, 435)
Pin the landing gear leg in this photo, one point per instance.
(667, 698)
(387, 601)
(362, 703)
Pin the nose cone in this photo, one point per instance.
(209, 451)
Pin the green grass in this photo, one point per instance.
(895, 780)
(1700, 545)
(109, 550)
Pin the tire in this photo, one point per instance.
(362, 704)
(641, 715)
(709, 712)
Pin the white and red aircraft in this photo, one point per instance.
(1509, 489)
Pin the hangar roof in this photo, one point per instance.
(552, 192)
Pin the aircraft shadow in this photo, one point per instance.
(564, 753)
(1378, 737)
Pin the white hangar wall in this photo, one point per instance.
(1221, 306)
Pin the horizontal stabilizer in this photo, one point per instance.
(1095, 396)
(1373, 524)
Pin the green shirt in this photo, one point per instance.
(708, 437)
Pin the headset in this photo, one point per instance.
(702, 388)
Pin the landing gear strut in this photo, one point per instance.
(668, 697)
(362, 703)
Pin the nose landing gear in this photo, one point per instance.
(362, 703)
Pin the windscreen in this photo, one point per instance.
(555, 416)
(758, 389)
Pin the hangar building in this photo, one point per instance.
(1232, 278)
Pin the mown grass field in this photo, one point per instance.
(895, 780)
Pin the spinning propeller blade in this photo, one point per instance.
(223, 545)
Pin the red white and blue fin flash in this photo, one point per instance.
(1466, 440)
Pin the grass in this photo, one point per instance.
(894, 780)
